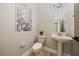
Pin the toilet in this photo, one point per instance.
(39, 44)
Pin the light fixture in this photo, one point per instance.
(57, 5)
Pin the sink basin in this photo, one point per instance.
(62, 38)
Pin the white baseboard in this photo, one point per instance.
(50, 50)
(54, 51)
(66, 54)
(29, 52)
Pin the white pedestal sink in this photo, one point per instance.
(61, 39)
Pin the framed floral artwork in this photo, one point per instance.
(23, 17)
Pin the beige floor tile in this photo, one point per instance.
(43, 53)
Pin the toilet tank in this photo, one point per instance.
(41, 39)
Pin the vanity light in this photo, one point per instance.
(57, 5)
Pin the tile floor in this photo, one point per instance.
(43, 53)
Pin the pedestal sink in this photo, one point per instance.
(61, 38)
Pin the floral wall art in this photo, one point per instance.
(23, 17)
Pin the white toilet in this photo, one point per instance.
(39, 44)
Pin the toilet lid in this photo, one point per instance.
(37, 45)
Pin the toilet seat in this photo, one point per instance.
(37, 45)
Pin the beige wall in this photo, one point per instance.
(45, 23)
(9, 39)
(47, 16)
(76, 29)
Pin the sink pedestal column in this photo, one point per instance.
(60, 51)
(61, 39)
